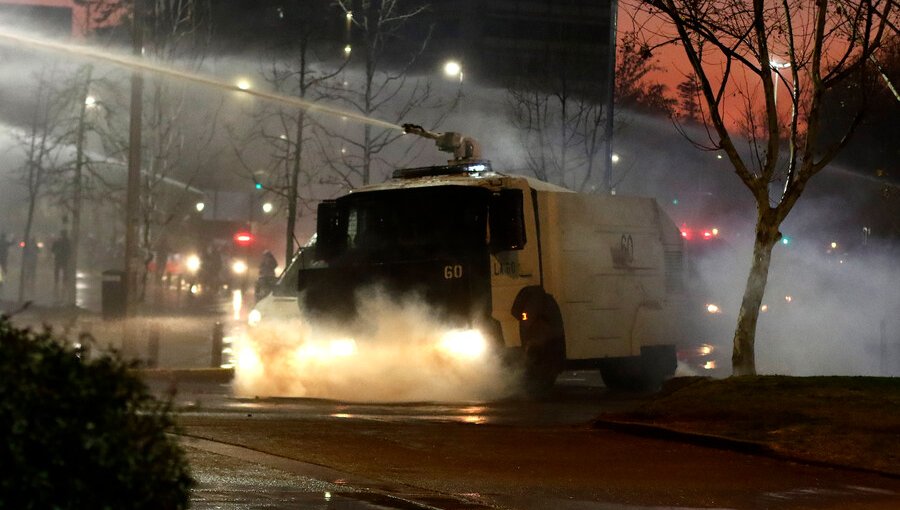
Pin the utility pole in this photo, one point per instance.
(77, 195)
(610, 93)
(133, 197)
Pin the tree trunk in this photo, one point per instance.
(293, 194)
(743, 358)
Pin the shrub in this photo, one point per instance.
(82, 433)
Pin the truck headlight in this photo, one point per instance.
(325, 351)
(463, 343)
(342, 347)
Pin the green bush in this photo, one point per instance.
(82, 434)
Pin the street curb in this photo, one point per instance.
(725, 443)
(186, 375)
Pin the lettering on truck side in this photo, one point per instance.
(509, 268)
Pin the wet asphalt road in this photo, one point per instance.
(518, 453)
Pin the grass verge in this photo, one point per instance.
(849, 421)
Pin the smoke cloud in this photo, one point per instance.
(827, 311)
(397, 352)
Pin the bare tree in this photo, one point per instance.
(68, 182)
(386, 90)
(635, 88)
(749, 49)
(561, 117)
(299, 65)
(72, 128)
(689, 100)
(41, 155)
(175, 32)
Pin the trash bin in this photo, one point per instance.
(112, 299)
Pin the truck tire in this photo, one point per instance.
(648, 371)
(543, 339)
(543, 363)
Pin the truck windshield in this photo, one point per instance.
(414, 223)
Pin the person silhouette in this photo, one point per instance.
(61, 249)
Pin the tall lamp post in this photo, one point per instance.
(453, 70)
(610, 93)
(132, 196)
(775, 67)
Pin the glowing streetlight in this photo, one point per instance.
(615, 158)
(199, 206)
(834, 245)
(775, 67)
(243, 84)
(453, 69)
(267, 207)
(347, 50)
(90, 101)
(349, 15)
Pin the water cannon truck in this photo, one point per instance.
(555, 279)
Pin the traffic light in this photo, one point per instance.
(785, 240)
(258, 185)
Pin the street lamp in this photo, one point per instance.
(775, 67)
(267, 207)
(453, 69)
(615, 158)
(90, 101)
(199, 206)
(243, 84)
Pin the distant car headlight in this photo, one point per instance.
(713, 308)
(239, 267)
(192, 263)
(254, 317)
(464, 343)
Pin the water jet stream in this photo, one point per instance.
(11, 38)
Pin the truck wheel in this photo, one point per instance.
(543, 363)
(543, 338)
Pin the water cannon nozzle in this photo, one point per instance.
(463, 148)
